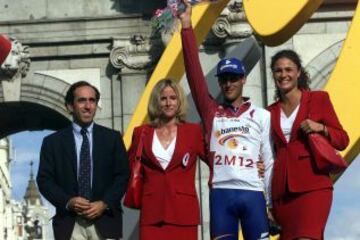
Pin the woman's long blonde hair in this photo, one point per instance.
(154, 111)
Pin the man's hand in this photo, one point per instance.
(185, 17)
(261, 168)
(78, 205)
(96, 210)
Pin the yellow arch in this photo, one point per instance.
(277, 21)
(171, 61)
(343, 85)
(273, 29)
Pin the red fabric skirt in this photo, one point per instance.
(303, 214)
(165, 231)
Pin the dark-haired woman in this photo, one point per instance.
(302, 195)
(170, 208)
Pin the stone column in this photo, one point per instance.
(134, 57)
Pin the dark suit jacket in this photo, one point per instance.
(169, 195)
(294, 167)
(57, 178)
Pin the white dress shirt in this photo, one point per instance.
(163, 155)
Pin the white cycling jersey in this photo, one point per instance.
(238, 140)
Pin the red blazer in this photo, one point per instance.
(169, 195)
(294, 167)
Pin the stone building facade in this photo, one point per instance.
(5, 188)
(37, 223)
(110, 44)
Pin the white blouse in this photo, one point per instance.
(163, 155)
(286, 123)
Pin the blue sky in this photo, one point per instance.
(343, 223)
(26, 147)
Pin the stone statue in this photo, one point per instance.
(14, 58)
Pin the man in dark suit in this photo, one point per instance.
(84, 172)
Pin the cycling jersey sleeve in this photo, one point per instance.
(267, 156)
(205, 104)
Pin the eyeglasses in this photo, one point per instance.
(229, 78)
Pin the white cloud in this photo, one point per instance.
(26, 146)
(23, 156)
(19, 181)
(344, 217)
(345, 226)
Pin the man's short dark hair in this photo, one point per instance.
(69, 98)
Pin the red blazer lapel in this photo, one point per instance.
(301, 115)
(180, 142)
(275, 121)
(148, 139)
(179, 152)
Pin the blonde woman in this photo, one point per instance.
(170, 207)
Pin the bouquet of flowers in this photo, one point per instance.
(164, 19)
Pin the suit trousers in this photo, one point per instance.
(84, 230)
